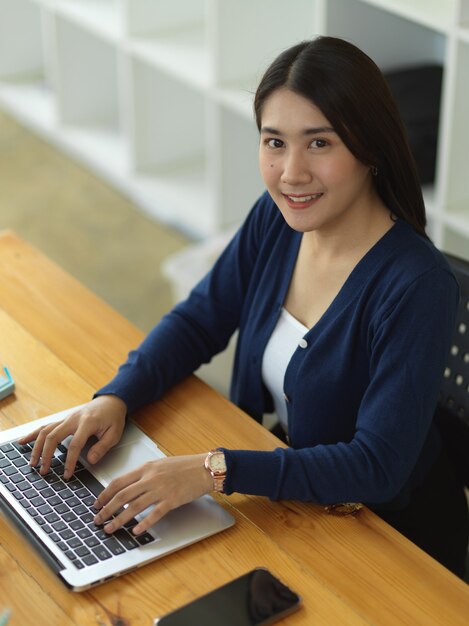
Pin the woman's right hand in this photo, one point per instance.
(103, 417)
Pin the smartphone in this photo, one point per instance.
(254, 599)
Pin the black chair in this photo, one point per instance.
(452, 414)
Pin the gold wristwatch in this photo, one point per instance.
(215, 463)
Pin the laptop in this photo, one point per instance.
(57, 515)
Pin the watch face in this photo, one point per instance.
(217, 463)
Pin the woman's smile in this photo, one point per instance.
(297, 201)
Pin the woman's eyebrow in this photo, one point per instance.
(307, 131)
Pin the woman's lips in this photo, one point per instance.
(296, 201)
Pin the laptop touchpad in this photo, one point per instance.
(124, 459)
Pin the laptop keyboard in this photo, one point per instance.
(63, 509)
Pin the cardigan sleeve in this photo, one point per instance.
(408, 347)
(195, 329)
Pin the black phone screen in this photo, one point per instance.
(253, 599)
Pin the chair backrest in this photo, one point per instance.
(452, 415)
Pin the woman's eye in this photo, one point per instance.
(318, 143)
(274, 143)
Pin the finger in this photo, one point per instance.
(115, 487)
(84, 431)
(158, 512)
(116, 505)
(134, 508)
(79, 439)
(134, 496)
(37, 448)
(30, 436)
(51, 441)
(101, 447)
(41, 435)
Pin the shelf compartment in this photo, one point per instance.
(168, 148)
(434, 14)
(87, 78)
(31, 101)
(239, 100)
(464, 17)
(177, 195)
(464, 34)
(21, 50)
(151, 18)
(167, 120)
(234, 167)
(179, 51)
(101, 17)
(99, 148)
(458, 220)
(25, 85)
(243, 47)
(457, 190)
(171, 36)
(375, 31)
(463, 21)
(88, 108)
(455, 237)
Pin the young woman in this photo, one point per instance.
(345, 312)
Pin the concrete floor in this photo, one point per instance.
(87, 227)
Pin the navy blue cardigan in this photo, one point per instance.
(361, 394)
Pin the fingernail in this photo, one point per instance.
(136, 529)
(109, 528)
(97, 520)
(67, 474)
(93, 457)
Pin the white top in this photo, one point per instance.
(286, 337)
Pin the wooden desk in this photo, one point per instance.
(61, 342)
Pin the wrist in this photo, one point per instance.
(114, 402)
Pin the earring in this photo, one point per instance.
(374, 170)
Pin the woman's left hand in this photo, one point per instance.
(166, 483)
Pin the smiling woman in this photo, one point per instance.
(344, 310)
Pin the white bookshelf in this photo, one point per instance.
(156, 95)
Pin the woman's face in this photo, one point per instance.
(311, 175)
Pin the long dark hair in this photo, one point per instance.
(352, 93)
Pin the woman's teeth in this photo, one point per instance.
(304, 198)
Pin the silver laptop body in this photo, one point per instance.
(70, 551)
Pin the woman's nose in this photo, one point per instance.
(296, 170)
